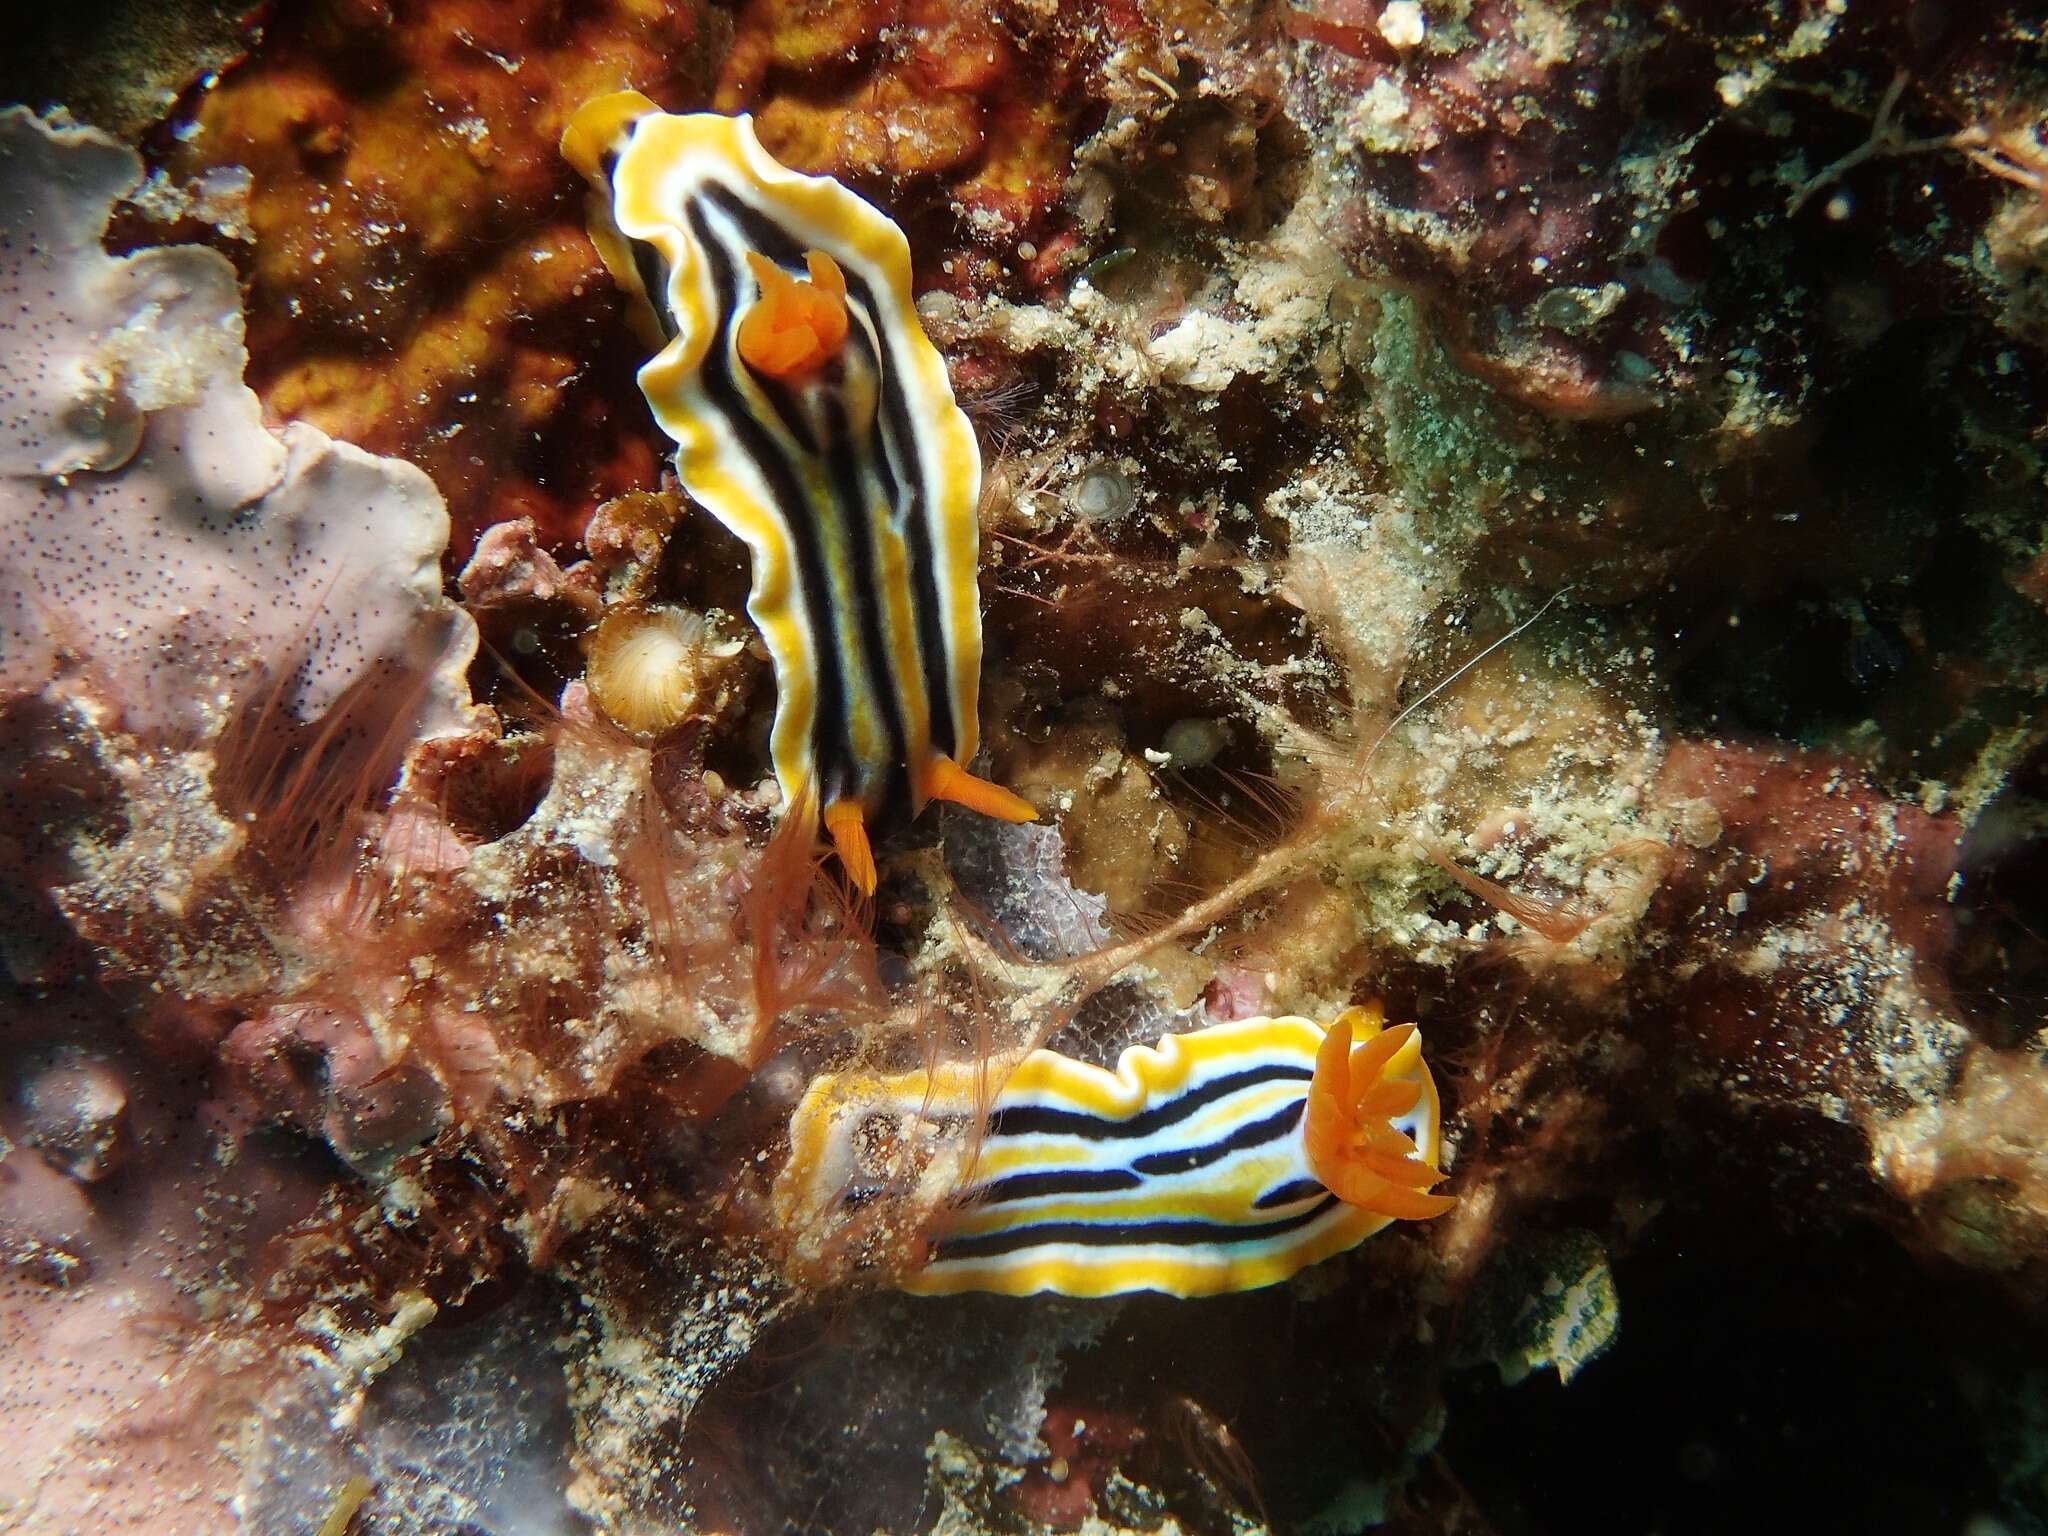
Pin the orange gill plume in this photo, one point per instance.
(798, 325)
(1361, 1158)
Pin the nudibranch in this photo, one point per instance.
(813, 417)
(1220, 1160)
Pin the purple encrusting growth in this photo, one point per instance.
(151, 527)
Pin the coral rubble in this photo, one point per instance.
(1529, 512)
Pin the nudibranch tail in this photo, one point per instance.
(845, 822)
(1352, 1146)
(813, 417)
(1188, 1169)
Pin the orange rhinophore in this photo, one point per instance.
(946, 780)
(1351, 1146)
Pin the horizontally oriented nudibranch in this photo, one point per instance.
(812, 417)
(1220, 1160)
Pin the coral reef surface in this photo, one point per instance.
(1531, 513)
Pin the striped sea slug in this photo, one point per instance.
(1220, 1160)
(812, 417)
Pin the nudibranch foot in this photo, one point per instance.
(1197, 1166)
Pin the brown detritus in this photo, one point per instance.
(2012, 147)
(348, 1499)
(74, 1110)
(1970, 1169)
(627, 534)
(482, 786)
(965, 103)
(1083, 1448)
(1216, 1455)
(1514, 154)
(1559, 921)
(1628, 877)
(509, 568)
(1120, 834)
(1785, 836)
(325, 1073)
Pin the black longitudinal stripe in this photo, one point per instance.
(926, 613)
(849, 489)
(913, 502)
(911, 497)
(932, 653)
(789, 410)
(1121, 1234)
(898, 427)
(830, 749)
(1253, 1134)
(653, 274)
(814, 415)
(1044, 1120)
(1055, 1181)
(760, 231)
(933, 656)
(1290, 1193)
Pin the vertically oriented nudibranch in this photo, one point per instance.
(812, 417)
(1220, 1160)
